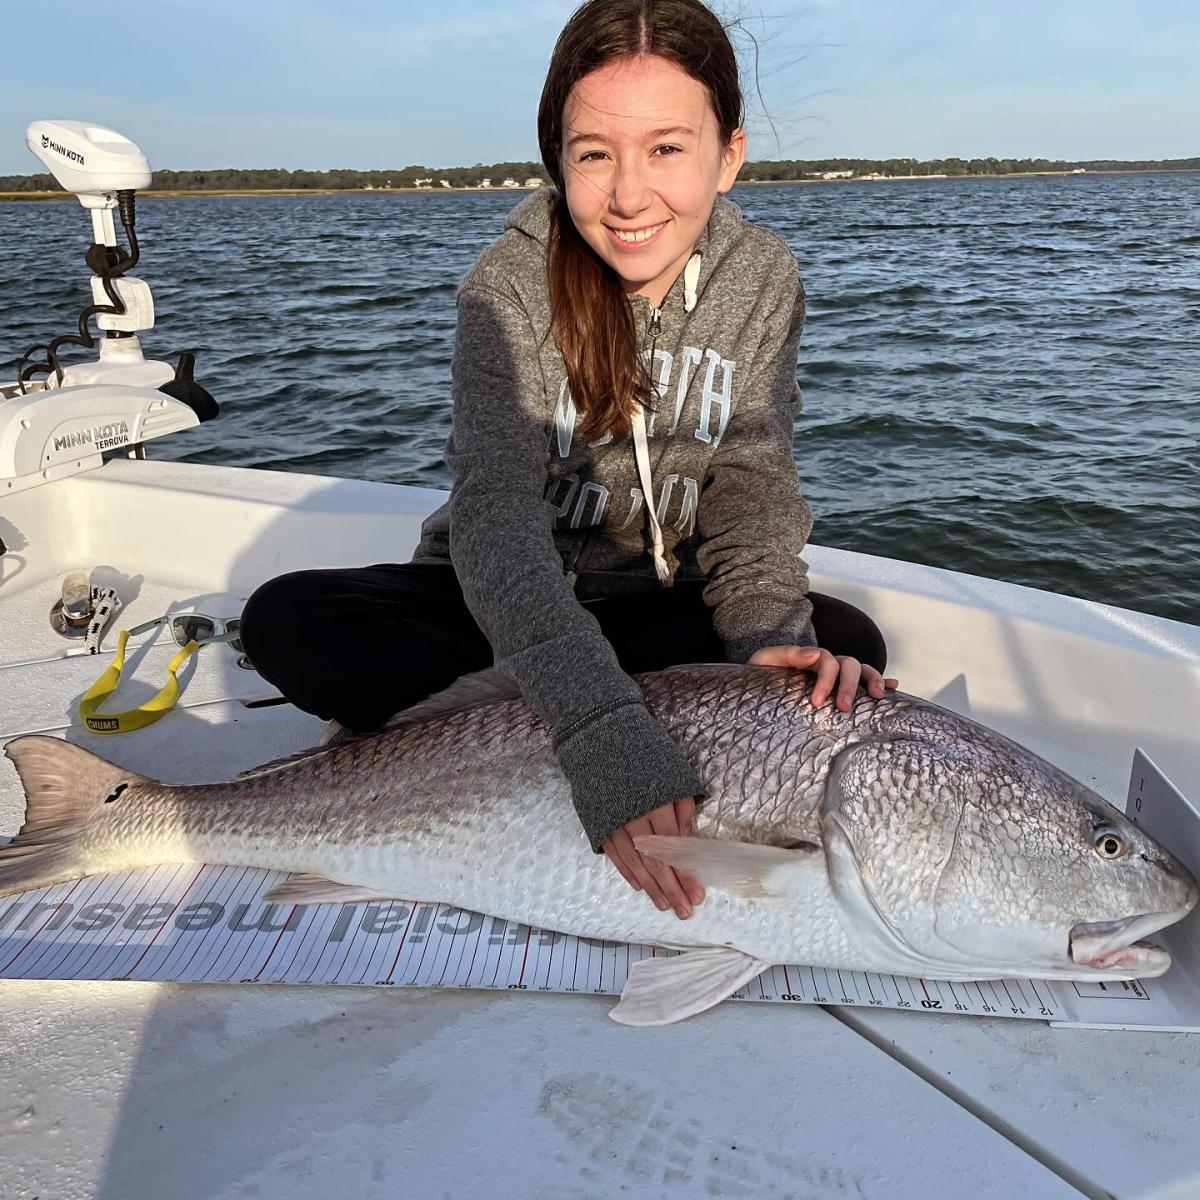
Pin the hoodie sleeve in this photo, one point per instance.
(619, 760)
(752, 520)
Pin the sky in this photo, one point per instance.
(376, 84)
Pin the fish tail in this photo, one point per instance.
(65, 787)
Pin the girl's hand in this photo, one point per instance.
(666, 887)
(843, 671)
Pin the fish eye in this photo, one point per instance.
(1108, 843)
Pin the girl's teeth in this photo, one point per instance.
(638, 237)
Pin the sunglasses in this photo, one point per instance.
(196, 627)
(191, 631)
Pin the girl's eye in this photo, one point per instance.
(589, 155)
(674, 149)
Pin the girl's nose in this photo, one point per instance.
(630, 191)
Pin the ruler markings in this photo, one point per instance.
(158, 932)
(150, 893)
(34, 935)
(222, 887)
(524, 955)
(85, 967)
(275, 943)
(303, 937)
(208, 941)
(74, 947)
(214, 925)
(400, 947)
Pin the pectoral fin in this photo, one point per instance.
(740, 868)
(316, 889)
(662, 990)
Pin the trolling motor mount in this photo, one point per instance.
(57, 420)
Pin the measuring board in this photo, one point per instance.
(209, 924)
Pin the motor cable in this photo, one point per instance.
(108, 271)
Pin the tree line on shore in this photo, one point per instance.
(519, 174)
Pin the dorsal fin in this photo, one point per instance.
(286, 761)
(468, 691)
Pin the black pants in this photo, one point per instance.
(361, 644)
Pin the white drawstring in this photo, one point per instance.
(641, 452)
(691, 276)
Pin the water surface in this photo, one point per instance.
(1000, 375)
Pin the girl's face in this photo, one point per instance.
(642, 166)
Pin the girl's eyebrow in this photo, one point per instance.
(654, 133)
(670, 131)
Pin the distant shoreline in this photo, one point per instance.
(180, 193)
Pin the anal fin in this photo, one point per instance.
(309, 888)
(660, 991)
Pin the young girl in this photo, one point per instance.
(624, 496)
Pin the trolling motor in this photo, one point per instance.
(57, 420)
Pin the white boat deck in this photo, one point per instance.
(129, 1089)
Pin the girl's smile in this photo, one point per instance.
(628, 239)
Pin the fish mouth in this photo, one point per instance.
(1115, 946)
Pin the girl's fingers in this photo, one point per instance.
(801, 657)
(636, 864)
(878, 684)
(662, 821)
(685, 814)
(617, 861)
(873, 682)
(671, 887)
(621, 857)
(828, 669)
(827, 673)
(661, 883)
(848, 677)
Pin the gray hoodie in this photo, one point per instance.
(538, 520)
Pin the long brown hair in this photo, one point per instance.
(592, 322)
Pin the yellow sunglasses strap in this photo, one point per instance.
(133, 718)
